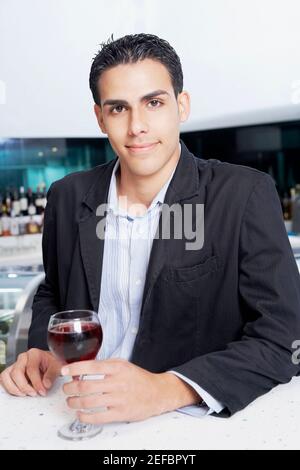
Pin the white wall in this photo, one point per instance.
(240, 58)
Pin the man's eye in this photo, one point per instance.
(156, 103)
(117, 109)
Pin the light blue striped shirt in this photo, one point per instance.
(127, 247)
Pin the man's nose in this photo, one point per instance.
(137, 123)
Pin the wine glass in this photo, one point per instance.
(75, 335)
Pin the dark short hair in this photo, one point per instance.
(133, 48)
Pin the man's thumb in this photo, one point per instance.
(50, 375)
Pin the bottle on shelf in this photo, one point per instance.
(14, 223)
(5, 223)
(31, 204)
(16, 206)
(44, 192)
(32, 226)
(22, 212)
(23, 201)
(23, 221)
(8, 202)
(39, 201)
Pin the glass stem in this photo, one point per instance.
(77, 426)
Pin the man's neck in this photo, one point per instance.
(143, 189)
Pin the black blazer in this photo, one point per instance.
(226, 315)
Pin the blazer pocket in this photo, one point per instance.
(192, 273)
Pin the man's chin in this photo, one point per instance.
(144, 172)
(142, 166)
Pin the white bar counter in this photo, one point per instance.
(271, 422)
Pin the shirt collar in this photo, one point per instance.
(112, 199)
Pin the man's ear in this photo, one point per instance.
(99, 116)
(184, 105)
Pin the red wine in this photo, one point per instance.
(70, 345)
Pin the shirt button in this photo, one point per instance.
(140, 230)
(138, 282)
(134, 331)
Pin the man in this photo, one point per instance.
(201, 330)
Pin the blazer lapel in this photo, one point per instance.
(156, 262)
(91, 246)
(92, 256)
(184, 185)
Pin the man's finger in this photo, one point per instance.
(106, 400)
(9, 385)
(92, 367)
(85, 387)
(22, 383)
(34, 372)
(51, 374)
(18, 375)
(34, 375)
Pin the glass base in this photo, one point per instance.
(78, 431)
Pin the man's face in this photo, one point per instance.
(132, 115)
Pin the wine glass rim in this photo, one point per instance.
(89, 313)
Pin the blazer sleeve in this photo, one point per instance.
(46, 300)
(269, 286)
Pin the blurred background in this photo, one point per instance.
(241, 67)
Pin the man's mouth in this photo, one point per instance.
(141, 148)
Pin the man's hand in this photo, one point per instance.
(128, 392)
(34, 372)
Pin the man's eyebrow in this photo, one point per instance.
(143, 98)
